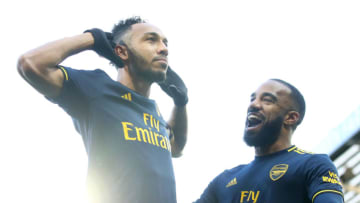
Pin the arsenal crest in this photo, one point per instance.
(278, 171)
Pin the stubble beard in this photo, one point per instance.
(268, 134)
(141, 67)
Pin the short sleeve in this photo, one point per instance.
(328, 197)
(77, 91)
(209, 194)
(322, 176)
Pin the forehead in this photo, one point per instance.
(141, 29)
(275, 88)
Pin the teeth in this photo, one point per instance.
(253, 120)
(253, 117)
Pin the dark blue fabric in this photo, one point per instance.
(290, 175)
(328, 197)
(125, 136)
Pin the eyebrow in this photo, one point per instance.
(156, 35)
(265, 94)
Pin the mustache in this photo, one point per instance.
(256, 112)
(253, 110)
(160, 58)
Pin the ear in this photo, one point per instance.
(291, 118)
(122, 52)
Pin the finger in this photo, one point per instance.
(174, 91)
(113, 45)
(180, 98)
(109, 35)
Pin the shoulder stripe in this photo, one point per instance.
(322, 191)
(298, 150)
(65, 73)
(289, 150)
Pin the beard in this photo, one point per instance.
(267, 135)
(143, 68)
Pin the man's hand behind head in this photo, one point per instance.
(175, 87)
(104, 46)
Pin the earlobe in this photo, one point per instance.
(292, 118)
(122, 52)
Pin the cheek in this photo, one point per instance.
(147, 54)
(272, 113)
(141, 57)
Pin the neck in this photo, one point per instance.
(133, 82)
(283, 142)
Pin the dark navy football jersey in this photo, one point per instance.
(287, 176)
(125, 136)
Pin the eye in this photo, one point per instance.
(268, 99)
(152, 39)
(165, 42)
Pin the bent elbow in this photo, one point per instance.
(177, 151)
(34, 72)
(176, 154)
(24, 66)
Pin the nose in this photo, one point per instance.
(255, 105)
(163, 49)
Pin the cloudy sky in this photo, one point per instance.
(222, 49)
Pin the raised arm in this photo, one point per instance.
(38, 66)
(178, 124)
(175, 88)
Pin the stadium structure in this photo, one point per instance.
(343, 146)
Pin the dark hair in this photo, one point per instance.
(121, 28)
(297, 97)
(124, 25)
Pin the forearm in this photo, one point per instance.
(53, 53)
(38, 66)
(178, 124)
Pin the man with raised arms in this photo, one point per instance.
(129, 145)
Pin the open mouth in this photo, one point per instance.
(253, 121)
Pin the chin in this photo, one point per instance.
(159, 76)
(250, 139)
(262, 138)
(154, 74)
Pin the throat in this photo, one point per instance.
(279, 145)
(134, 83)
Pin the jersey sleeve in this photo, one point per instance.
(209, 194)
(322, 177)
(77, 92)
(328, 197)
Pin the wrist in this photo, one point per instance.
(181, 102)
(88, 40)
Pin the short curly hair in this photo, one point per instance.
(123, 26)
(298, 99)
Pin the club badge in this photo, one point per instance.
(278, 171)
